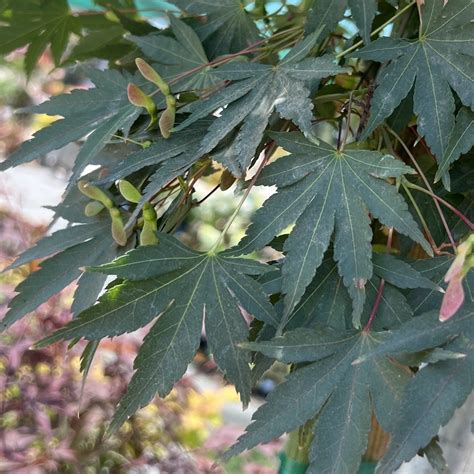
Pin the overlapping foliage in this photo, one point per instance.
(372, 198)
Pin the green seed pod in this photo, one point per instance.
(149, 213)
(93, 192)
(166, 122)
(93, 208)
(150, 226)
(227, 180)
(149, 73)
(118, 229)
(148, 234)
(170, 101)
(137, 97)
(129, 191)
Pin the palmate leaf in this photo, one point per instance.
(431, 398)
(323, 190)
(259, 91)
(440, 60)
(429, 402)
(176, 56)
(38, 23)
(182, 288)
(99, 112)
(340, 394)
(228, 28)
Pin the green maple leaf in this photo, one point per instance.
(38, 23)
(228, 27)
(328, 13)
(325, 190)
(340, 395)
(99, 112)
(429, 402)
(256, 92)
(441, 59)
(431, 398)
(182, 288)
(176, 56)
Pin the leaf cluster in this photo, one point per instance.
(361, 120)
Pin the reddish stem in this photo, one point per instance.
(447, 204)
(380, 289)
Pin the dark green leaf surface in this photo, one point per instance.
(440, 60)
(428, 403)
(261, 90)
(341, 394)
(182, 287)
(426, 332)
(324, 190)
(424, 300)
(399, 273)
(461, 141)
(326, 301)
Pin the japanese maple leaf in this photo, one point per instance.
(440, 60)
(326, 191)
(257, 90)
(180, 288)
(340, 396)
(178, 55)
(96, 113)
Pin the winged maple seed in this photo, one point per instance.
(462, 264)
